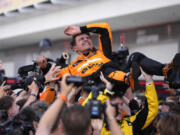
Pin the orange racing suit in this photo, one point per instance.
(98, 60)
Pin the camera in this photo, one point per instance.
(96, 109)
(78, 81)
(25, 78)
(27, 74)
(95, 106)
(24, 70)
(25, 81)
(8, 80)
(60, 61)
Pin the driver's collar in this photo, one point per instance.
(87, 55)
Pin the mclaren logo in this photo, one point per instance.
(91, 66)
(88, 62)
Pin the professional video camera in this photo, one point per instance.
(78, 81)
(85, 82)
(27, 74)
(8, 80)
(62, 61)
(27, 77)
(24, 70)
(95, 106)
(25, 81)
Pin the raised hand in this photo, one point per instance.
(109, 85)
(33, 87)
(72, 30)
(2, 93)
(52, 73)
(147, 77)
(97, 125)
(66, 88)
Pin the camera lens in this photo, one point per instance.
(95, 110)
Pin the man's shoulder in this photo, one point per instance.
(76, 61)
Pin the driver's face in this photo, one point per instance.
(83, 43)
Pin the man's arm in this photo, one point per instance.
(144, 117)
(34, 89)
(52, 74)
(50, 116)
(105, 36)
(110, 113)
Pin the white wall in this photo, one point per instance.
(119, 13)
(9, 66)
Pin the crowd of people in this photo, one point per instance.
(93, 95)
